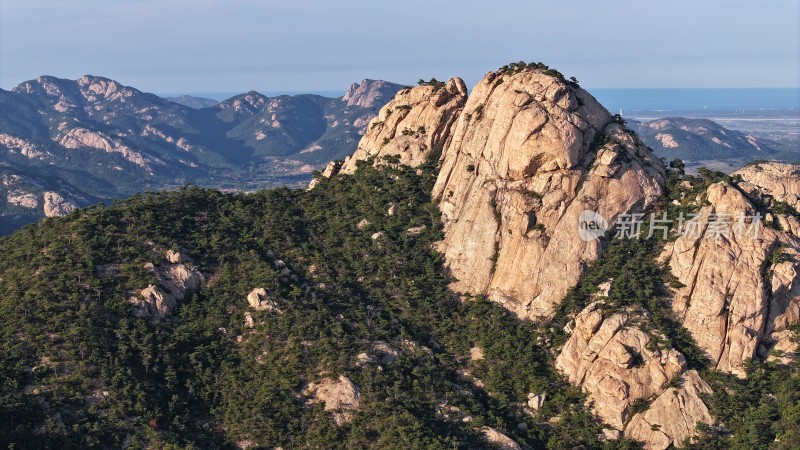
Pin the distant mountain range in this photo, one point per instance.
(699, 140)
(94, 139)
(78, 142)
(193, 102)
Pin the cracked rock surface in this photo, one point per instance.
(528, 154)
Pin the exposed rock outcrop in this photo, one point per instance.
(21, 198)
(331, 169)
(154, 302)
(84, 138)
(26, 148)
(535, 402)
(340, 397)
(527, 156)
(175, 282)
(741, 288)
(369, 93)
(617, 365)
(499, 440)
(414, 123)
(672, 417)
(778, 180)
(176, 257)
(259, 300)
(55, 205)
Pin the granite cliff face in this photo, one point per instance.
(527, 156)
(522, 158)
(741, 287)
(774, 179)
(415, 122)
(618, 365)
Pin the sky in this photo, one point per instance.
(197, 46)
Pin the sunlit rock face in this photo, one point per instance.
(528, 155)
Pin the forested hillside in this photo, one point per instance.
(80, 369)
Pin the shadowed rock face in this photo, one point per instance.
(527, 156)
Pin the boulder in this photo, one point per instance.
(476, 353)
(259, 300)
(499, 440)
(339, 396)
(153, 302)
(536, 401)
(175, 257)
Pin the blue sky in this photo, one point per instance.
(171, 46)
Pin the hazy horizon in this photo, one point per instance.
(311, 45)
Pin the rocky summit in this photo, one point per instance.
(503, 267)
(528, 155)
(520, 160)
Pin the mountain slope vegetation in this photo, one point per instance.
(80, 370)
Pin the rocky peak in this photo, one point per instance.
(527, 156)
(370, 93)
(415, 122)
(96, 88)
(45, 84)
(522, 158)
(62, 94)
(96, 96)
(241, 106)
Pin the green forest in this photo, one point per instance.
(79, 370)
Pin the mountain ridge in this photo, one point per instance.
(123, 140)
(507, 197)
(436, 290)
